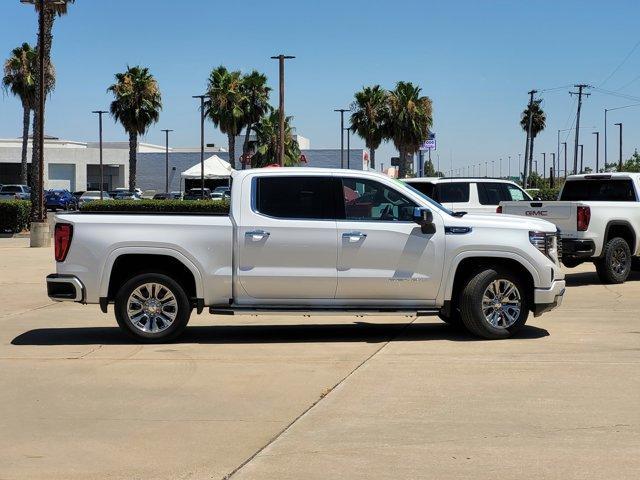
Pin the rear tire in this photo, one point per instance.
(494, 304)
(615, 264)
(152, 308)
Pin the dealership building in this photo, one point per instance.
(75, 165)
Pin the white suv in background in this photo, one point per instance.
(473, 195)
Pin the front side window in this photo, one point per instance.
(452, 192)
(295, 197)
(370, 200)
(515, 194)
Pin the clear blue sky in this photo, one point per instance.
(475, 59)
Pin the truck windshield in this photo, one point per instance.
(430, 201)
(599, 190)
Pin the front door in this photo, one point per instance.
(383, 256)
(287, 242)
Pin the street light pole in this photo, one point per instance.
(565, 159)
(166, 159)
(100, 113)
(620, 151)
(202, 97)
(544, 165)
(281, 58)
(348, 147)
(597, 134)
(341, 110)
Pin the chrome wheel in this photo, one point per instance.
(619, 260)
(501, 303)
(152, 308)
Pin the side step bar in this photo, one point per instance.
(309, 311)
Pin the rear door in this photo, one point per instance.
(287, 243)
(383, 257)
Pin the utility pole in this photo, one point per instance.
(580, 94)
(166, 159)
(100, 113)
(232, 161)
(620, 159)
(544, 165)
(581, 158)
(526, 149)
(342, 110)
(565, 159)
(281, 58)
(553, 162)
(500, 172)
(597, 134)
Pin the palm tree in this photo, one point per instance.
(367, 119)
(224, 105)
(256, 97)
(408, 122)
(51, 11)
(19, 79)
(538, 123)
(136, 106)
(267, 141)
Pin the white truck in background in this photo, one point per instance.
(309, 240)
(598, 217)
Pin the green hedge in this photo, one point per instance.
(14, 215)
(175, 206)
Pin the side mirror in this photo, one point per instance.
(424, 218)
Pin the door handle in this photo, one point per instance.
(257, 235)
(354, 236)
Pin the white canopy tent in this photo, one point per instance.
(214, 168)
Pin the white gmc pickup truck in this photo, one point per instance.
(309, 240)
(598, 216)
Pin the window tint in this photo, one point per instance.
(454, 192)
(370, 200)
(490, 193)
(604, 190)
(295, 197)
(515, 193)
(423, 187)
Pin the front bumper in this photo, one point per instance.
(65, 288)
(546, 299)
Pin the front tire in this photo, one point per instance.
(615, 264)
(152, 308)
(494, 304)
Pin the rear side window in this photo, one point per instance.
(454, 192)
(490, 193)
(296, 197)
(603, 190)
(423, 187)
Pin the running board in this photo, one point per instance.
(309, 311)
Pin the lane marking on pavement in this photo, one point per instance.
(324, 395)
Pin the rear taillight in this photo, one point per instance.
(499, 209)
(62, 238)
(584, 217)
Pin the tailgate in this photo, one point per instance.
(562, 214)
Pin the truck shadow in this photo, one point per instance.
(582, 279)
(264, 334)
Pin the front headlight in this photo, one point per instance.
(547, 243)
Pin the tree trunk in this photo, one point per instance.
(372, 158)
(245, 147)
(49, 17)
(26, 120)
(402, 167)
(133, 150)
(232, 149)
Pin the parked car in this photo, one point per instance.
(15, 192)
(599, 220)
(196, 194)
(60, 199)
(126, 196)
(306, 239)
(91, 196)
(117, 190)
(222, 195)
(168, 196)
(471, 195)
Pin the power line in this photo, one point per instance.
(621, 64)
(616, 94)
(627, 84)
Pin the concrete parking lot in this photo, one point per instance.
(315, 398)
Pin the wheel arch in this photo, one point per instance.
(622, 229)
(126, 262)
